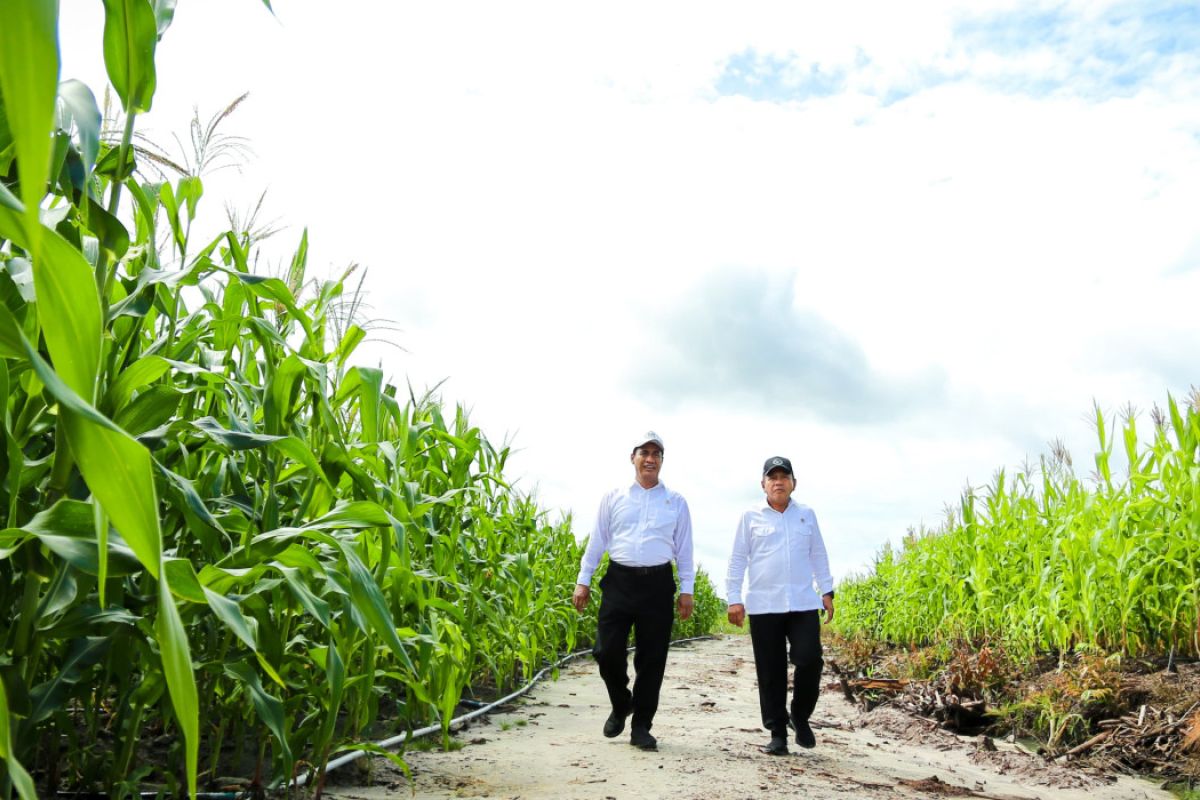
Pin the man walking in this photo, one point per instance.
(644, 527)
(779, 541)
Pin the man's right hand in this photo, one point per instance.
(580, 597)
(737, 614)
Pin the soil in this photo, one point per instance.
(710, 747)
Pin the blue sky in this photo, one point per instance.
(904, 244)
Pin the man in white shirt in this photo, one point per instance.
(644, 527)
(780, 542)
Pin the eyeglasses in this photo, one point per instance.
(644, 453)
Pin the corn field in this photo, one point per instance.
(225, 547)
(1047, 561)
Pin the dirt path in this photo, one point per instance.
(710, 748)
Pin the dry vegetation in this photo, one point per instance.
(1135, 716)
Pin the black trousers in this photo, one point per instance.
(641, 599)
(773, 637)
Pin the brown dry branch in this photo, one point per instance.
(1088, 745)
(881, 684)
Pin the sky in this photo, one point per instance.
(904, 244)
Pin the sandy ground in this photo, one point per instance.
(710, 748)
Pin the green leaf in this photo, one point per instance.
(51, 695)
(277, 291)
(191, 189)
(145, 199)
(231, 615)
(183, 581)
(130, 36)
(151, 408)
(59, 597)
(16, 773)
(68, 529)
(383, 752)
(79, 109)
(20, 271)
(164, 14)
(300, 557)
(282, 393)
(135, 376)
(116, 467)
(314, 605)
(356, 514)
(29, 83)
(8, 199)
(298, 451)
(235, 440)
(369, 392)
(221, 580)
(335, 678)
(195, 504)
(108, 229)
(367, 598)
(66, 293)
(353, 337)
(166, 196)
(270, 709)
(117, 163)
(181, 677)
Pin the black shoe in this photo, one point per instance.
(614, 724)
(804, 734)
(642, 740)
(778, 745)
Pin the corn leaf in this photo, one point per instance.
(79, 110)
(181, 679)
(115, 466)
(68, 529)
(66, 293)
(50, 696)
(270, 709)
(130, 36)
(20, 778)
(231, 615)
(236, 440)
(29, 82)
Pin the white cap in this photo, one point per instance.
(647, 438)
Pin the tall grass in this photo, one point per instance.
(219, 535)
(1046, 560)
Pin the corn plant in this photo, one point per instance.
(220, 535)
(1050, 561)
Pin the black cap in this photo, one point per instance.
(777, 462)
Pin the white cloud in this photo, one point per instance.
(537, 188)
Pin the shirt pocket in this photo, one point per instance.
(661, 519)
(765, 540)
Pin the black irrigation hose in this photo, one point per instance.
(152, 795)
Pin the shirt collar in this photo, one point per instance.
(765, 506)
(635, 486)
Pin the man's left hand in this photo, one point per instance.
(827, 601)
(685, 606)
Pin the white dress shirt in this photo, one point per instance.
(642, 528)
(786, 557)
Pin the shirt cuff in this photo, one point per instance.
(687, 587)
